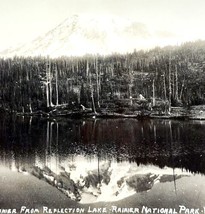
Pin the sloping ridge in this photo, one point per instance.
(80, 35)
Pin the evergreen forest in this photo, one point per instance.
(173, 74)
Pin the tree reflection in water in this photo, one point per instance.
(82, 157)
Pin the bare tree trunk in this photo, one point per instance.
(170, 86)
(56, 86)
(176, 79)
(130, 83)
(50, 83)
(165, 90)
(153, 92)
(87, 68)
(93, 100)
(47, 85)
(30, 106)
(182, 88)
(92, 93)
(130, 94)
(97, 82)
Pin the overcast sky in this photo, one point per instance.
(23, 20)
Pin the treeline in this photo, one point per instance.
(172, 74)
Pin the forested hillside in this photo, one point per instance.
(173, 74)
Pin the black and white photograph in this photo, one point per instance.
(102, 106)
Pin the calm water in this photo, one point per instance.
(110, 159)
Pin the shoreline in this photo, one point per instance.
(78, 115)
(176, 113)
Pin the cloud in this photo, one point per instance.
(165, 34)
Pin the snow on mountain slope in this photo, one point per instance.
(93, 181)
(80, 35)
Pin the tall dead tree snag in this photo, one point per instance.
(153, 93)
(164, 85)
(97, 81)
(56, 76)
(176, 84)
(48, 84)
(89, 82)
(170, 86)
(128, 64)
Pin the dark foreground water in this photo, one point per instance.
(110, 162)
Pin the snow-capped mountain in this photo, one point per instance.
(92, 181)
(80, 35)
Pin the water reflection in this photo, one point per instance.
(98, 160)
(90, 181)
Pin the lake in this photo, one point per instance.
(114, 164)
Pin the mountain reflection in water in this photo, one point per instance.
(103, 160)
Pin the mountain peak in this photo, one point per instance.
(84, 34)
